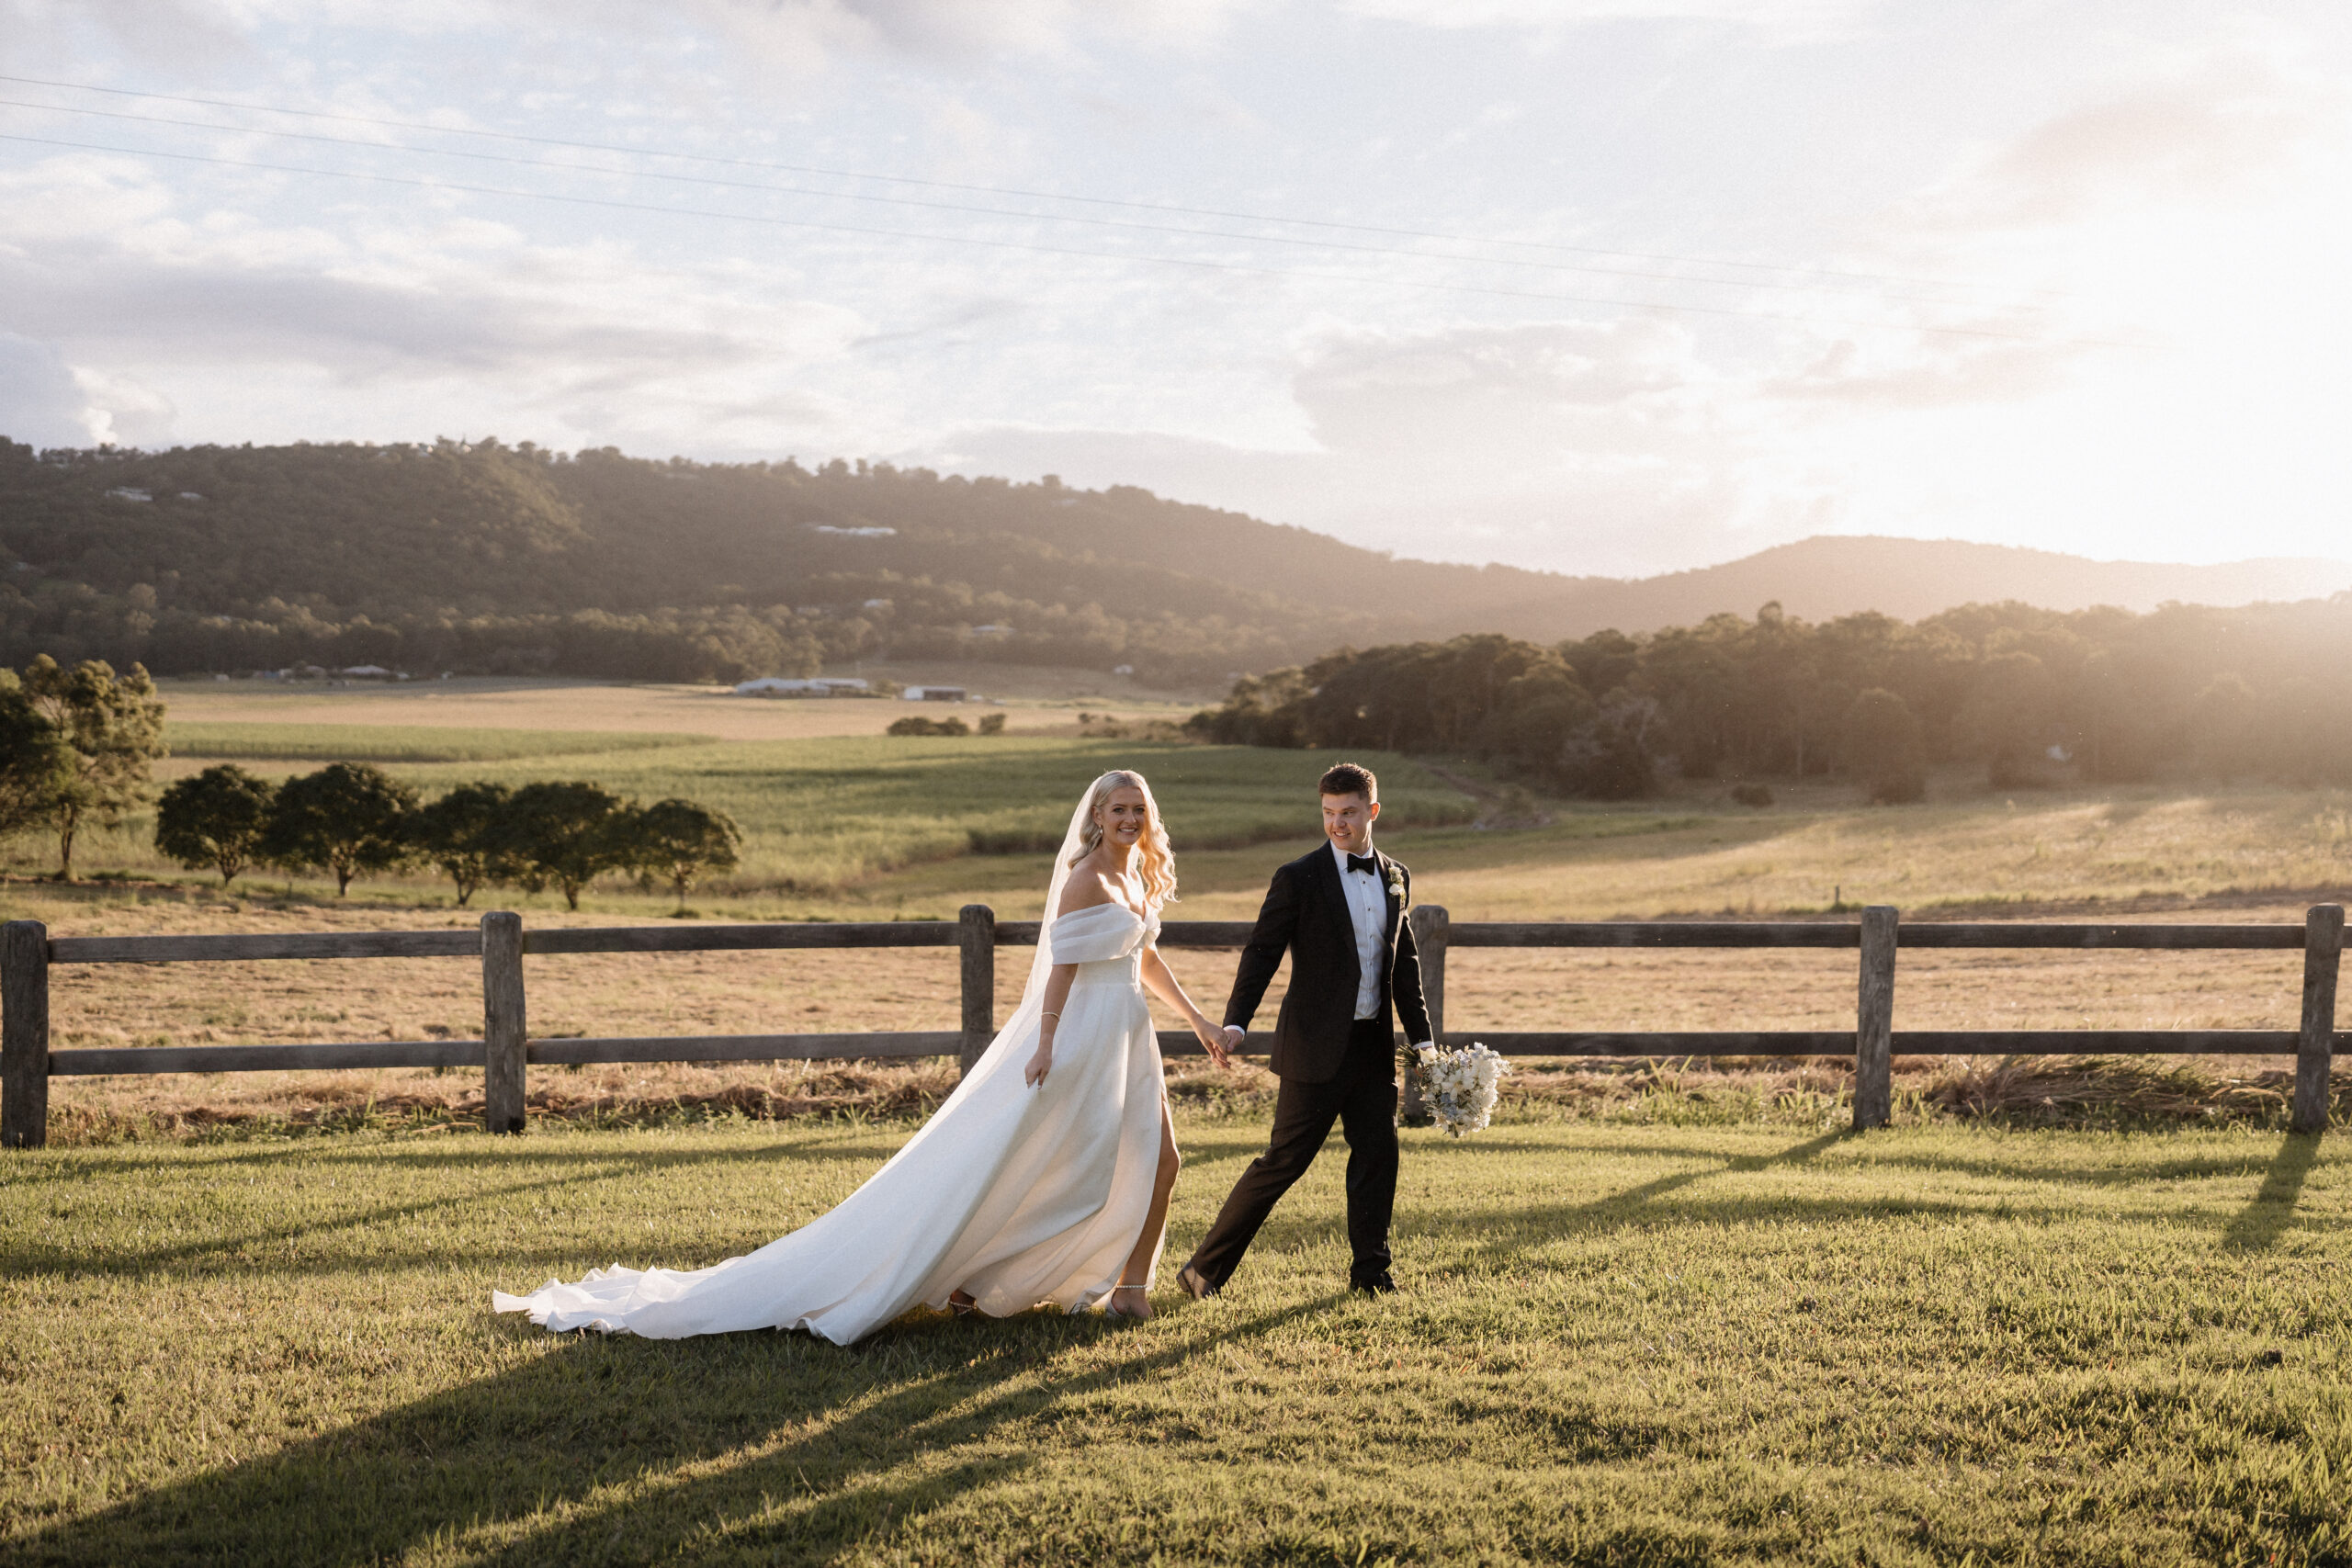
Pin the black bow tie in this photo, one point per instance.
(1368, 864)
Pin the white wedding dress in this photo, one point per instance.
(1018, 1195)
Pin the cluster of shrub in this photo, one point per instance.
(77, 748)
(916, 723)
(350, 818)
(2031, 695)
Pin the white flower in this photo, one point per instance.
(1460, 1083)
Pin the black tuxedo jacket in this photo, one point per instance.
(1305, 915)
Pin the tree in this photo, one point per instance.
(1612, 756)
(463, 833)
(1535, 716)
(2007, 716)
(567, 834)
(2224, 721)
(678, 841)
(113, 728)
(347, 818)
(34, 762)
(1883, 747)
(216, 819)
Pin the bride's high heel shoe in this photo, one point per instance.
(962, 1305)
(1140, 1312)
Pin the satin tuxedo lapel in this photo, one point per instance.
(1335, 896)
(1390, 878)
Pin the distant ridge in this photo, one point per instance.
(478, 557)
(1831, 575)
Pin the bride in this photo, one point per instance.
(1044, 1178)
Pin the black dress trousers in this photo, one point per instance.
(1363, 1100)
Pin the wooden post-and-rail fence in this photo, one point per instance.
(507, 1050)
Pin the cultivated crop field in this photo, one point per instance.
(1617, 1344)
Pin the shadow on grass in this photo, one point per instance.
(2112, 1173)
(1284, 1232)
(573, 1169)
(625, 1449)
(2257, 1226)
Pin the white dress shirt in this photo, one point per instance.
(1368, 906)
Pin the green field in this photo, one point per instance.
(820, 815)
(1622, 1344)
(399, 742)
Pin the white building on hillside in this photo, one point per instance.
(817, 687)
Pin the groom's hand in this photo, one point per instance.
(1234, 1036)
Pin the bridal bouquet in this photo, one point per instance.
(1460, 1083)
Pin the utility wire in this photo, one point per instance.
(1124, 223)
(617, 205)
(988, 189)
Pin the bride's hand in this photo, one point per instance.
(1034, 1073)
(1211, 1038)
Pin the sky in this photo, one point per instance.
(1611, 287)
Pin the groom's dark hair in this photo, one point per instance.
(1347, 778)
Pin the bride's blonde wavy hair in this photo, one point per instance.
(1156, 861)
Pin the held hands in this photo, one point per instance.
(1218, 1043)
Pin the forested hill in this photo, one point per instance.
(483, 557)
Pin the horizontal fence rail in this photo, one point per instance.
(506, 1049)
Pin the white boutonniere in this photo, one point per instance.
(1396, 884)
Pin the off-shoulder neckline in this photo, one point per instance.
(1128, 910)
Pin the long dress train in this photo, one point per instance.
(1020, 1196)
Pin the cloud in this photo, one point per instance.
(39, 401)
(1785, 16)
(1529, 389)
(181, 33)
(1856, 375)
(2227, 130)
(798, 35)
(1581, 447)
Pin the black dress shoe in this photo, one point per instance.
(1374, 1284)
(1194, 1283)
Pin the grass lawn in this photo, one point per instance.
(1617, 1343)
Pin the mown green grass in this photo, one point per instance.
(821, 815)
(401, 742)
(1621, 1344)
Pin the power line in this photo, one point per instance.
(1129, 225)
(992, 190)
(617, 205)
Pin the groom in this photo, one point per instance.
(1340, 913)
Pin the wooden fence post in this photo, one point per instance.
(2314, 1053)
(24, 1035)
(505, 1029)
(1874, 1021)
(976, 938)
(1432, 929)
